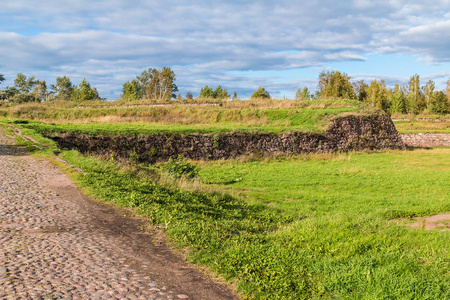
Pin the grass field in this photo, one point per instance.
(345, 242)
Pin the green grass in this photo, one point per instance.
(343, 244)
(415, 182)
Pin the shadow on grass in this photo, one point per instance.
(409, 148)
(228, 182)
(225, 212)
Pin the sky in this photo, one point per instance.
(281, 45)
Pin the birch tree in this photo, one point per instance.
(161, 85)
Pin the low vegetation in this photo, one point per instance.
(275, 116)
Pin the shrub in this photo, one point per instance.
(260, 93)
(24, 98)
(180, 167)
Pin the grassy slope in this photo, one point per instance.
(422, 126)
(273, 116)
(422, 123)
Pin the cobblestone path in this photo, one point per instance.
(53, 246)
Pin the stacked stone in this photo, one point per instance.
(423, 140)
(353, 133)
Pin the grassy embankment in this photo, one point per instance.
(147, 117)
(330, 226)
(422, 123)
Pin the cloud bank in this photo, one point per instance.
(210, 42)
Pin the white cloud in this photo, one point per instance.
(108, 41)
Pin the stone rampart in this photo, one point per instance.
(423, 140)
(352, 133)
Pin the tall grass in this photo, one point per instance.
(251, 115)
(253, 112)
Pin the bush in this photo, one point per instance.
(24, 98)
(180, 167)
(260, 93)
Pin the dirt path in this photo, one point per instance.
(57, 243)
(439, 222)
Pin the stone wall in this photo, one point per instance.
(344, 134)
(426, 139)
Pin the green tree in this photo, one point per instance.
(189, 96)
(377, 95)
(206, 93)
(398, 102)
(447, 90)
(209, 93)
(413, 96)
(220, 93)
(161, 85)
(2, 78)
(7, 94)
(298, 94)
(397, 88)
(360, 88)
(20, 93)
(24, 84)
(428, 91)
(84, 92)
(303, 94)
(439, 103)
(63, 88)
(260, 93)
(335, 85)
(153, 84)
(142, 82)
(40, 90)
(24, 98)
(130, 90)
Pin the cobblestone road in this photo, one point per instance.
(49, 248)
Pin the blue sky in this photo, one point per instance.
(280, 45)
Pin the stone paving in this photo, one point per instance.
(46, 252)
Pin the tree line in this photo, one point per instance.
(28, 89)
(412, 98)
(159, 84)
